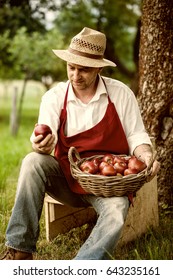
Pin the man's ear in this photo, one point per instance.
(100, 69)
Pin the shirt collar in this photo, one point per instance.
(101, 89)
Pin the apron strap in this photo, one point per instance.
(66, 95)
(106, 90)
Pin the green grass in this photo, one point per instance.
(154, 244)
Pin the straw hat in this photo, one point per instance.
(86, 49)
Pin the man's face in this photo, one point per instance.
(81, 77)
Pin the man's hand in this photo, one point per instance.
(44, 146)
(144, 152)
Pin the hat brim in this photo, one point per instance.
(81, 60)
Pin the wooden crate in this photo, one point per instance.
(61, 218)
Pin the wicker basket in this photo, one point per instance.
(106, 186)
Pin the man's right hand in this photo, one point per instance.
(44, 146)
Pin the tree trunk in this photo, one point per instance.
(156, 86)
(13, 116)
(21, 100)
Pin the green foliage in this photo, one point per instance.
(33, 54)
(15, 14)
(73, 16)
(5, 65)
(28, 54)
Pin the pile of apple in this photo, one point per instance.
(113, 165)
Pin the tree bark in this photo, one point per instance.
(156, 86)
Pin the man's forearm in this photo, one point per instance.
(141, 149)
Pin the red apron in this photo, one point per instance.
(105, 137)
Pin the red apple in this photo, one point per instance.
(120, 167)
(102, 165)
(108, 158)
(129, 171)
(137, 164)
(108, 170)
(42, 129)
(119, 159)
(88, 167)
(96, 162)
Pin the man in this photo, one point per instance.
(96, 115)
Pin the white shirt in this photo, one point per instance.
(82, 116)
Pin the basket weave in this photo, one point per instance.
(106, 186)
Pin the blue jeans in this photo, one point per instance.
(41, 174)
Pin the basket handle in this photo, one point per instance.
(73, 152)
